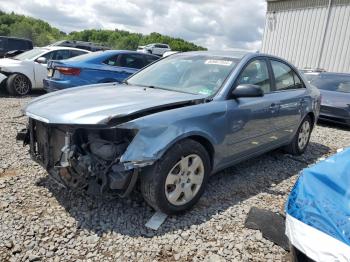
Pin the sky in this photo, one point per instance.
(215, 24)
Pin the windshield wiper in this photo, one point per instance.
(124, 82)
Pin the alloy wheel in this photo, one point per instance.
(184, 180)
(304, 134)
(21, 85)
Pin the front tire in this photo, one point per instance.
(175, 183)
(301, 138)
(18, 85)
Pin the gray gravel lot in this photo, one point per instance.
(41, 221)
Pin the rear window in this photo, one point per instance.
(87, 56)
(335, 83)
(75, 53)
(151, 59)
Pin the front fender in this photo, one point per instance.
(158, 132)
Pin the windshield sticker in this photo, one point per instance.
(218, 62)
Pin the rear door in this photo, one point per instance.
(291, 95)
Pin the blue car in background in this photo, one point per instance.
(98, 67)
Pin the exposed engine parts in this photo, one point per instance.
(86, 159)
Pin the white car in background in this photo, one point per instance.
(154, 49)
(27, 71)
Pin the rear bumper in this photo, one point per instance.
(52, 85)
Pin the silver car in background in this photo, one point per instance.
(154, 49)
(335, 91)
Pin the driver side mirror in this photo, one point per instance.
(247, 90)
(41, 60)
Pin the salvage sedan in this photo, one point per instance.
(171, 125)
(335, 91)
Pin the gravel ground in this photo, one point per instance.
(41, 221)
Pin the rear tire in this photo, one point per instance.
(301, 138)
(175, 183)
(18, 85)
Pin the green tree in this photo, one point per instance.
(41, 33)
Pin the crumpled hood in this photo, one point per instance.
(97, 104)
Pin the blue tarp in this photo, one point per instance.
(321, 197)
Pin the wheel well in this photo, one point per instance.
(312, 116)
(207, 145)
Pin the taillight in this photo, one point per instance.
(68, 70)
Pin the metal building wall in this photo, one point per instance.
(306, 34)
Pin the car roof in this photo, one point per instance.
(123, 52)
(13, 37)
(64, 47)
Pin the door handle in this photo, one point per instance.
(274, 107)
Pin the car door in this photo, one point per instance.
(291, 95)
(40, 69)
(157, 50)
(249, 120)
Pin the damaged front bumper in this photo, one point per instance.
(83, 157)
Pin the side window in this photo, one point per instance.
(256, 73)
(112, 61)
(150, 59)
(60, 55)
(132, 61)
(49, 55)
(285, 77)
(74, 53)
(297, 81)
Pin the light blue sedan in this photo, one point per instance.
(172, 124)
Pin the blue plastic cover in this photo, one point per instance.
(321, 197)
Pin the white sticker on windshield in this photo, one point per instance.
(218, 62)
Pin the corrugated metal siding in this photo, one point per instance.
(336, 56)
(297, 34)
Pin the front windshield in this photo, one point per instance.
(31, 54)
(195, 74)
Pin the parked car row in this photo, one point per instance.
(170, 125)
(24, 72)
(41, 67)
